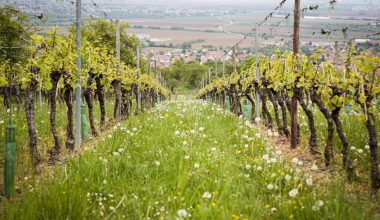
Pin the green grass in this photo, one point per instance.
(184, 160)
(45, 138)
(356, 133)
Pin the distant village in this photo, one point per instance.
(332, 51)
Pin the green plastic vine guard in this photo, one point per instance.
(158, 99)
(84, 122)
(10, 161)
(247, 109)
(228, 104)
(378, 105)
(347, 108)
(209, 100)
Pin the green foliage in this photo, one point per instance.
(14, 37)
(102, 33)
(186, 74)
(14, 34)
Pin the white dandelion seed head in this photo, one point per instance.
(182, 213)
(206, 195)
(314, 167)
(300, 163)
(287, 177)
(293, 193)
(295, 160)
(270, 186)
(309, 181)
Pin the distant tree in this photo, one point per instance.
(14, 38)
(14, 34)
(103, 33)
(192, 74)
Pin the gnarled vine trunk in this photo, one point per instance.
(347, 162)
(288, 103)
(273, 99)
(67, 95)
(329, 152)
(372, 139)
(54, 79)
(90, 103)
(30, 118)
(284, 115)
(100, 94)
(310, 117)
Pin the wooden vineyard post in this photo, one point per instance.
(293, 136)
(78, 90)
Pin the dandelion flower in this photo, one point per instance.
(196, 165)
(157, 163)
(201, 128)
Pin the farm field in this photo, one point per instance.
(234, 26)
(186, 159)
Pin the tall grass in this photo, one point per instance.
(185, 160)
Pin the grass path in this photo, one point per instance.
(184, 160)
